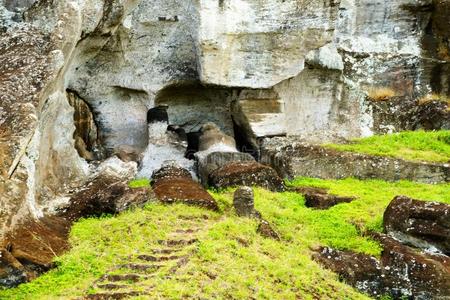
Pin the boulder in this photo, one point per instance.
(356, 269)
(12, 272)
(243, 202)
(319, 200)
(171, 172)
(266, 230)
(411, 272)
(246, 173)
(401, 272)
(215, 160)
(29, 250)
(292, 157)
(105, 194)
(212, 137)
(173, 184)
(419, 223)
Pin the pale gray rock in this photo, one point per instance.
(263, 46)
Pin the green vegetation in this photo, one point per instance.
(409, 145)
(139, 183)
(230, 260)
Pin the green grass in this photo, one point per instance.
(232, 261)
(139, 183)
(433, 146)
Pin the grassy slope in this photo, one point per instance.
(416, 145)
(233, 261)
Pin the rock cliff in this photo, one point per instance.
(78, 77)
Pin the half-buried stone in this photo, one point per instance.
(174, 184)
(401, 272)
(220, 164)
(320, 199)
(246, 173)
(244, 204)
(422, 224)
(216, 149)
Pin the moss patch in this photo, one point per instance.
(409, 145)
(139, 183)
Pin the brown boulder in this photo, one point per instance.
(266, 230)
(356, 269)
(419, 223)
(31, 248)
(246, 173)
(401, 272)
(171, 172)
(423, 275)
(216, 160)
(12, 272)
(105, 195)
(173, 184)
(324, 201)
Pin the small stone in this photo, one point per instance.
(266, 230)
(243, 202)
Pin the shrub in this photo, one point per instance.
(434, 97)
(380, 93)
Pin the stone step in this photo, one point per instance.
(166, 251)
(187, 231)
(113, 296)
(122, 277)
(157, 258)
(112, 286)
(139, 267)
(175, 243)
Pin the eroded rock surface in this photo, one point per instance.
(244, 202)
(422, 224)
(401, 272)
(174, 184)
(246, 173)
(292, 157)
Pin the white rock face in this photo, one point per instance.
(256, 43)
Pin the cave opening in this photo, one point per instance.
(245, 142)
